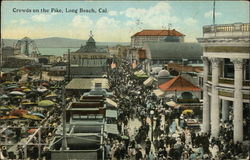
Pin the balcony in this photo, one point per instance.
(226, 33)
(229, 81)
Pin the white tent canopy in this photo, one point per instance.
(149, 81)
(158, 92)
(111, 102)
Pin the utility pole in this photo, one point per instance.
(1, 58)
(214, 18)
(69, 74)
(64, 140)
(26, 49)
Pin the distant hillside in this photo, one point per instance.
(58, 42)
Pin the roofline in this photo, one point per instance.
(156, 35)
(158, 30)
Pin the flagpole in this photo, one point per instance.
(214, 18)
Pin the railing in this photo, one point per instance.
(229, 81)
(246, 96)
(242, 27)
(246, 83)
(226, 94)
(226, 80)
(231, 94)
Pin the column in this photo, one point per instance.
(225, 106)
(205, 113)
(215, 108)
(238, 104)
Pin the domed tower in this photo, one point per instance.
(90, 44)
(163, 73)
(163, 76)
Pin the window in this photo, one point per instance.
(76, 117)
(228, 68)
(200, 81)
(247, 69)
(209, 68)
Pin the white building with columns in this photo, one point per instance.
(226, 76)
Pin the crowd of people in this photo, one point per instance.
(149, 128)
(171, 139)
(21, 98)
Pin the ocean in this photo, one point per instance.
(55, 51)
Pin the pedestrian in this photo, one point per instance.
(138, 155)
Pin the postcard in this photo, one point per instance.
(124, 80)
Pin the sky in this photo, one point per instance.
(119, 23)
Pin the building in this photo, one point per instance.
(84, 131)
(19, 60)
(89, 55)
(89, 60)
(119, 51)
(161, 53)
(226, 77)
(178, 85)
(81, 85)
(8, 52)
(140, 38)
(88, 123)
(57, 69)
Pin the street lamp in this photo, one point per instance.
(152, 123)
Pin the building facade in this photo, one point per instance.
(138, 39)
(226, 77)
(88, 61)
(90, 55)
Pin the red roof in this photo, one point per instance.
(158, 33)
(178, 84)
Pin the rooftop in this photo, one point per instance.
(158, 33)
(91, 47)
(86, 83)
(178, 84)
(174, 50)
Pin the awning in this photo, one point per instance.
(140, 74)
(149, 81)
(158, 92)
(111, 113)
(111, 128)
(111, 102)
